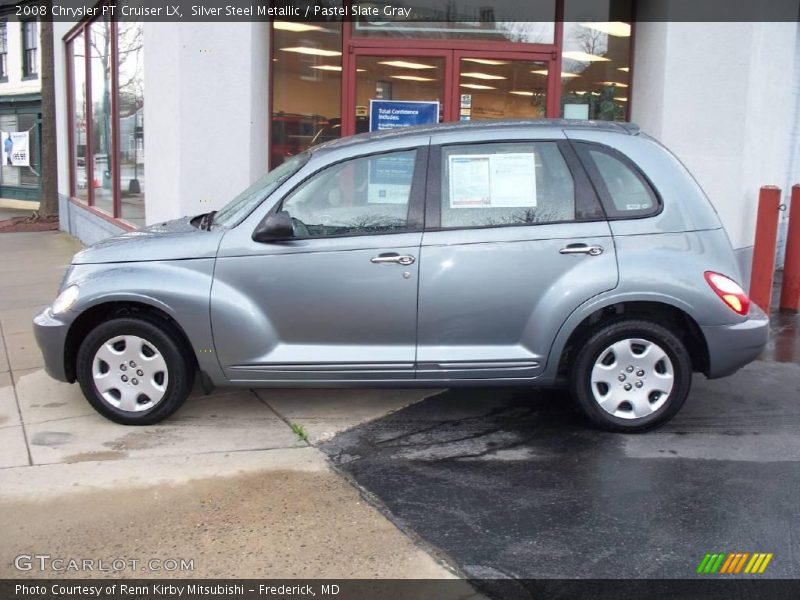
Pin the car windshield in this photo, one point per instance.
(241, 206)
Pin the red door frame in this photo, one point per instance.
(552, 108)
(349, 79)
(451, 51)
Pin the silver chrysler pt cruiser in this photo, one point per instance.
(547, 253)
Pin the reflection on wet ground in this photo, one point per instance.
(514, 484)
(784, 342)
(784, 326)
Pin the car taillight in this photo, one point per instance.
(731, 292)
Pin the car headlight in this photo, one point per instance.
(66, 299)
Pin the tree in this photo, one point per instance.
(48, 206)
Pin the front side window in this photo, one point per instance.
(30, 49)
(626, 193)
(370, 194)
(3, 51)
(515, 183)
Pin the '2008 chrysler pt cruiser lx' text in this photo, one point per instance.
(504, 253)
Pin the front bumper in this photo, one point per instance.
(51, 336)
(730, 347)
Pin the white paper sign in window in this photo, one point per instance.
(513, 180)
(492, 180)
(469, 180)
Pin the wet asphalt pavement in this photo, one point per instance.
(515, 484)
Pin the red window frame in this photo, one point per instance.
(552, 58)
(350, 57)
(452, 51)
(69, 40)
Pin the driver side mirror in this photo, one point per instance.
(275, 226)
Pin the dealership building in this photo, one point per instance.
(157, 120)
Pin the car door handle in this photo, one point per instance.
(582, 249)
(392, 257)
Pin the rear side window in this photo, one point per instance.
(625, 193)
(512, 183)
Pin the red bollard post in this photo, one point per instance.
(763, 269)
(790, 286)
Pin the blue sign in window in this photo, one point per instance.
(390, 114)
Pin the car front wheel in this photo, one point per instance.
(133, 371)
(631, 376)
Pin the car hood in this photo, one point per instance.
(173, 240)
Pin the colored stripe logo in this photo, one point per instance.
(734, 563)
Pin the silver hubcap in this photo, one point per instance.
(632, 378)
(130, 373)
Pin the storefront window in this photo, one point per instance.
(30, 49)
(307, 86)
(596, 59)
(77, 53)
(479, 59)
(107, 119)
(22, 179)
(519, 21)
(100, 64)
(130, 105)
(502, 89)
(3, 51)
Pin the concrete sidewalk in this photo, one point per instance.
(224, 481)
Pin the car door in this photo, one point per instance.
(337, 301)
(515, 240)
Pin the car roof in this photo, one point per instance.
(479, 126)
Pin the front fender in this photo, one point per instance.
(179, 288)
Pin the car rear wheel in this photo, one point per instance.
(133, 371)
(631, 376)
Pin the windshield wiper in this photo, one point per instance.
(207, 220)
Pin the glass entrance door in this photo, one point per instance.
(501, 88)
(469, 85)
(415, 78)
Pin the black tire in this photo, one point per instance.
(166, 340)
(598, 342)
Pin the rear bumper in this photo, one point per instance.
(730, 347)
(51, 336)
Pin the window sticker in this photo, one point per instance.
(492, 180)
(469, 180)
(513, 179)
(390, 179)
(387, 194)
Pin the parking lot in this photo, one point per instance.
(513, 484)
